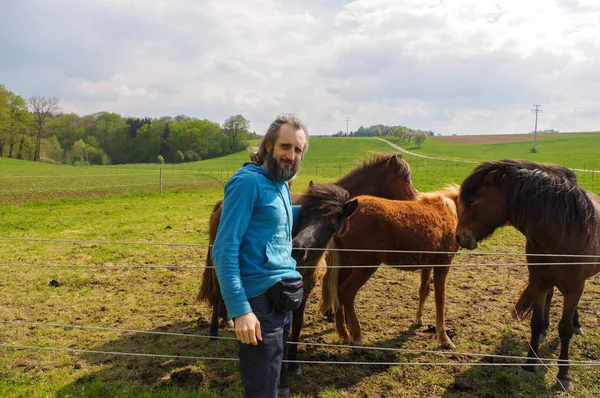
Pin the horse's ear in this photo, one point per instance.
(394, 160)
(495, 175)
(349, 207)
(500, 172)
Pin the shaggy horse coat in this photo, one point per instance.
(382, 226)
(559, 219)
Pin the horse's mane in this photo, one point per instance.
(377, 161)
(324, 198)
(539, 194)
(448, 194)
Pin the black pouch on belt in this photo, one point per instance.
(286, 295)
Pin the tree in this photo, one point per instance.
(20, 120)
(236, 128)
(42, 108)
(179, 157)
(79, 150)
(4, 116)
(419, 138)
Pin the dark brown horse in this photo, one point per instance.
(381, 226)
(384, 175)
(559, 220)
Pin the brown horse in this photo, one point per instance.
(559, 220)
(381, 226)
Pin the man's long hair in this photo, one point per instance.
(273, 133)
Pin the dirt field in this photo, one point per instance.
(486, 139)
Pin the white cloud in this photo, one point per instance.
(460, 66)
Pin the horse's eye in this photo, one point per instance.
(472, 201)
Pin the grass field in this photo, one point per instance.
(97, 291)
(574, 150)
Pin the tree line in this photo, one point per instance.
(404, 133)
(35, 129)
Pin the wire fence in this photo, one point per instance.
(487, 359)
(65, 327)
(16, 189)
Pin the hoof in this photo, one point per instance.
(526, 374)
(284, 393)
(448, 345)
(578, 330)
(297, 372)
(227, 324)
(565, 385)
(214, 342)
(542, 338)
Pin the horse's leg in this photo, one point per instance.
(537, 325)
(226, 321)
(214, 324)
(329, 315)
(340, 324)
(348, 290)
(440, 274)
(565, 331)
(577, 329)
(423, 293)
(546, 315)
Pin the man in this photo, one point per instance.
(253, 254)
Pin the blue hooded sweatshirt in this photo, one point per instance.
(253, 247)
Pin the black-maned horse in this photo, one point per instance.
(559, 220)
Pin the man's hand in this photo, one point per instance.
(247, 329)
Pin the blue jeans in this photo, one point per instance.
(260, 365)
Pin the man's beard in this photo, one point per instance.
(280, 174)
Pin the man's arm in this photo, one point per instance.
(238, 204)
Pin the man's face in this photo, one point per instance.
(284, 157)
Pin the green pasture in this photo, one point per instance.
(64, 260)
(573, 150)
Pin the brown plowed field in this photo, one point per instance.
(486, 139)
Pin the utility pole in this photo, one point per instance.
(347, 120)
(536, 109)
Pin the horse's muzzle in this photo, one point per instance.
(299, 255)
(466, 241)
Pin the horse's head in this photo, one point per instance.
(482, 204)
(325, 208)
(399, 178)
(382, 174)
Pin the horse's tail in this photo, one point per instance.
(210, 291)
(525, 304)
(329, 295)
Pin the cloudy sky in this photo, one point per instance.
(451, 66)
